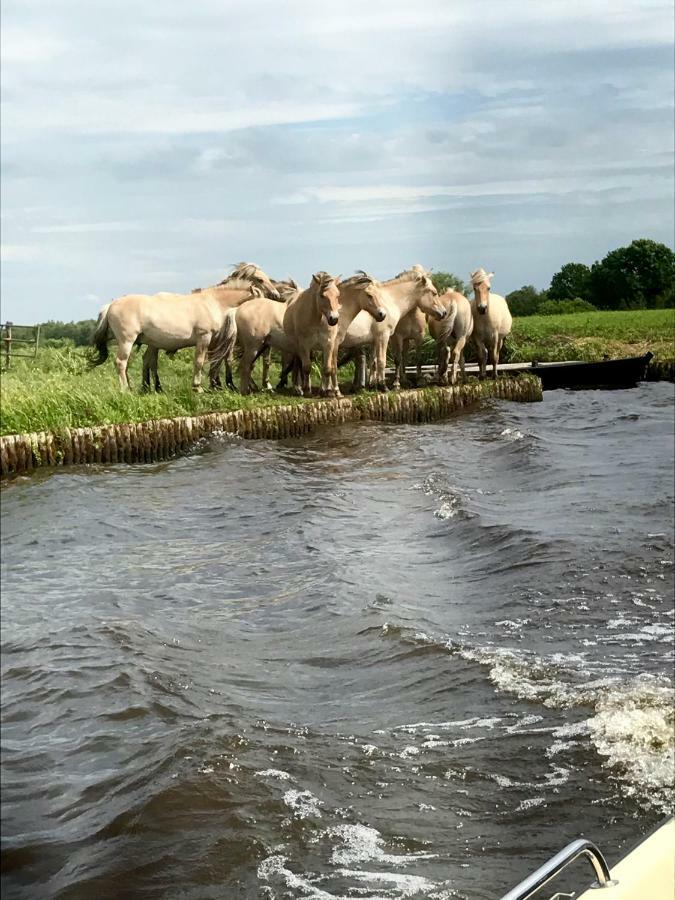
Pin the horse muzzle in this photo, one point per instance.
(440, 312)
(332, 318)
(380, 315)
(482, 310)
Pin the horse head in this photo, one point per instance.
(480, 281)
(369, 293)
(327, 294)
(426, 294)
(252, 272)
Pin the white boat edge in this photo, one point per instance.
(647, 872)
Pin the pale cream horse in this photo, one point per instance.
(410, 330)
(259, 327)
(452, 334)
(491, 320)
(409, 290)
(245, 282)
(168, 321)
(315, 321)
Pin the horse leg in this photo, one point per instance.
(457, 352)
(245, 369)
(124, 349)
(201, 349)
(288, 362)
(155, 371)
(360, 370)
(482, 353)
(306, 368)
(150, 367)
(267, 359)
(495, 355)
(214, 377)
(403, 379)
(443, 356)
(397, 352)
(329, 374)
(145, 386)
(334, 367)
(380, 364)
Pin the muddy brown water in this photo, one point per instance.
(376, 662)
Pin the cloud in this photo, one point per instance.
(146, 147)
(17, 253)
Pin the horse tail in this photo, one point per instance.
(224, 339)
(101, 336)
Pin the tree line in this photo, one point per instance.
(640, 276)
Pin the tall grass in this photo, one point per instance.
(60, 390)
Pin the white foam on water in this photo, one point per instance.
(407, 752)
(512, 434)
(634, 729)
(275, 866)
(303, 803)
(405, 885)
(274, 773)
(360, 844)
(632, 725)
(531, 803)
(447, 510)
(388, 885)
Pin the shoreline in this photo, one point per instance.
(159, 439)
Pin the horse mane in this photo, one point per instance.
(287, 289)
(414, 273)
(360, 279)
(236, 284)
(322, 279)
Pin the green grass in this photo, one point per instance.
(591, 335)
(59, 389)
(585, 336)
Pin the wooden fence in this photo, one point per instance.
(18, 334)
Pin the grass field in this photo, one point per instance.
(59, 389)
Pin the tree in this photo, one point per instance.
(572, 281)
(559, 307)
(444, 281)
(633, 277)
(525, 301)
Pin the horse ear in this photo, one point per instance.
(491, 275)
(316, 278)
(337, 279)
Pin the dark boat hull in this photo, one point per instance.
(608, 373)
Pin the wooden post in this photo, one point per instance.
(37, 340)
(8, 343)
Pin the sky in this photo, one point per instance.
(150, 146)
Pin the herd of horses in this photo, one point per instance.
(252, 311)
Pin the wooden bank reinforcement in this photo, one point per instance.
(161, 439)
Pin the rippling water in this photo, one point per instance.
(379, 662)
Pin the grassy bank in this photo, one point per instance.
(585, 336)
(590, 336)
(59, 390)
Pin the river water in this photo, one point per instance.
(377, 662)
